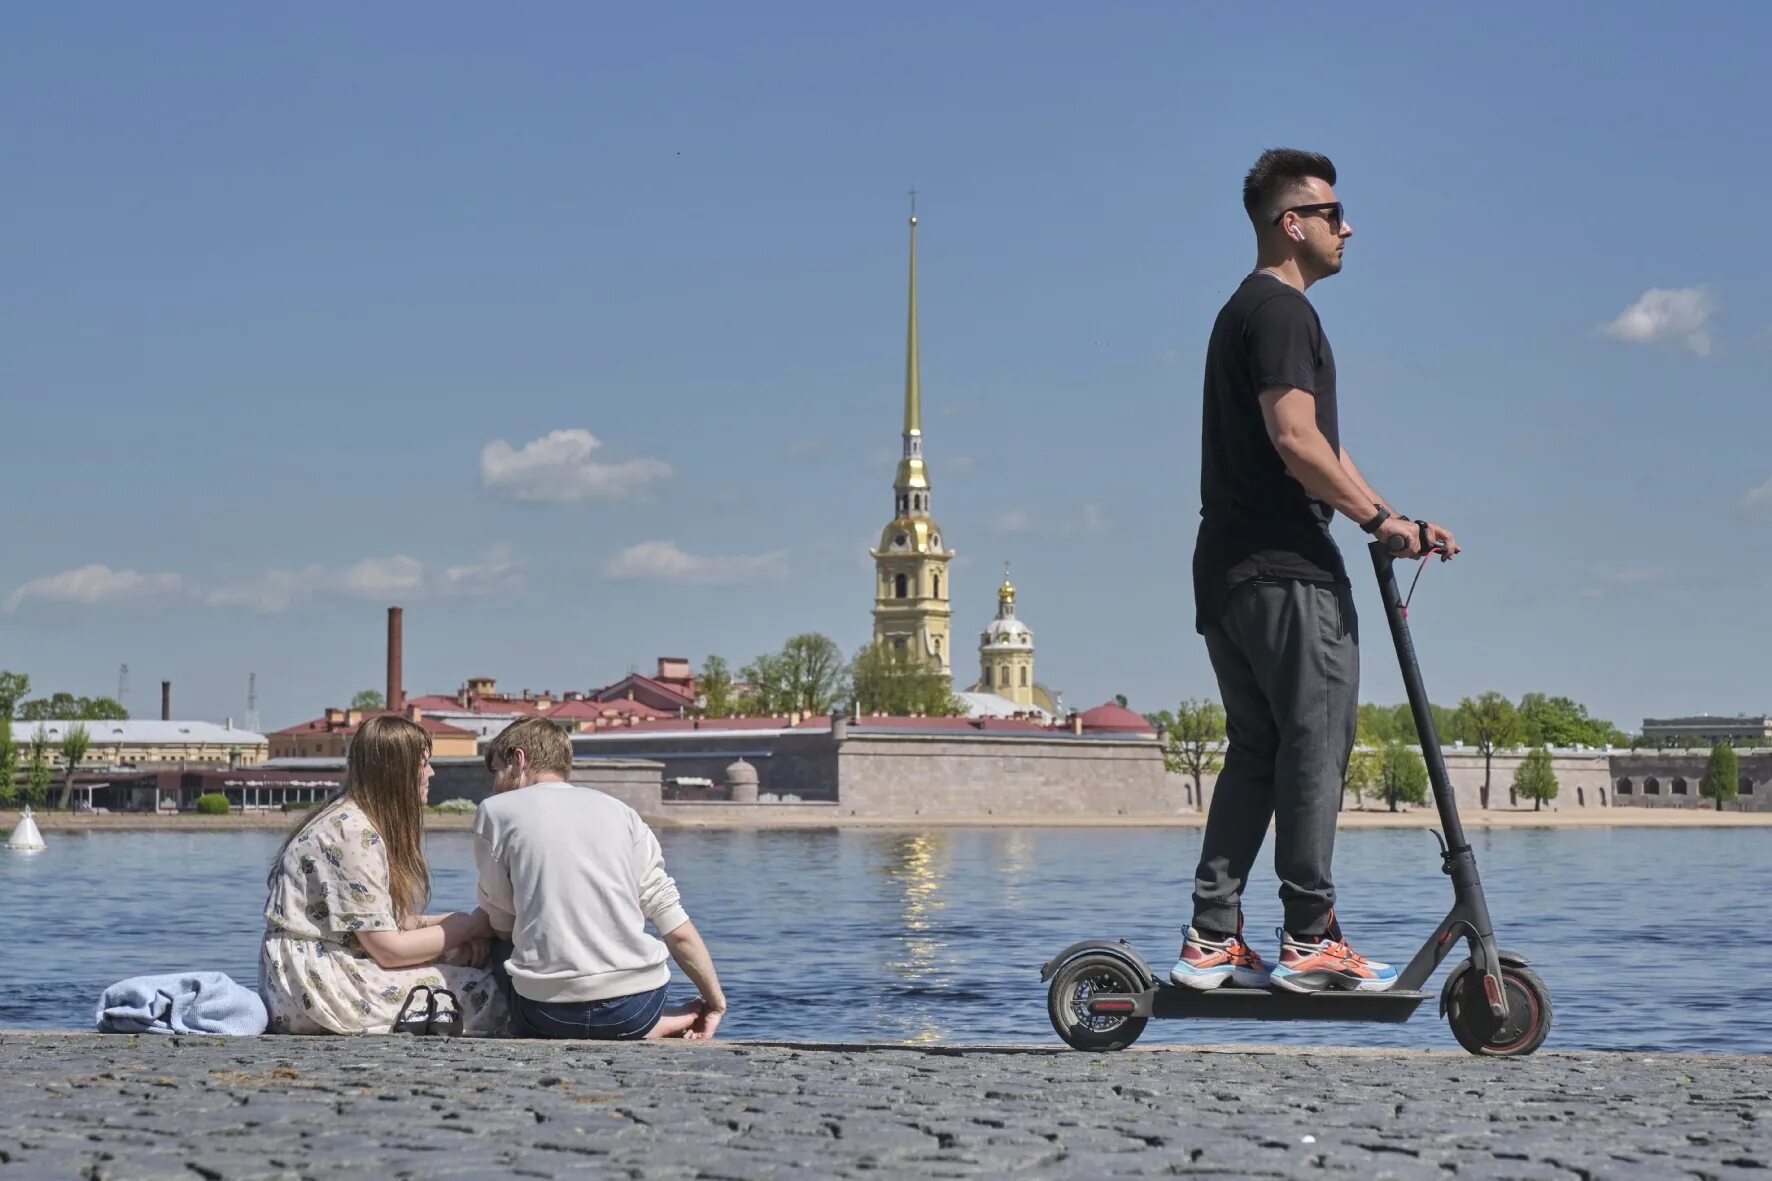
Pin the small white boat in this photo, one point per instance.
(25, 838)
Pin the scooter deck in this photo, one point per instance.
(1276, 1004)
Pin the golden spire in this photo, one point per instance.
(913, 393)
(1005, 593)
(912, 483)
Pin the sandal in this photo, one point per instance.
(444, 1022)
(416, 1021)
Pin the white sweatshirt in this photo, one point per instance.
(574, 875)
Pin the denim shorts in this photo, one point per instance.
(618, 1018)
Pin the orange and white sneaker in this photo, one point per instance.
(1313, 965)
(1208, 963)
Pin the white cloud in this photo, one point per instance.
(662, 561)
(1090, 519)
(373, 579)
(1677, 316)
(1758, 501)
(376, 578)
(496, 574)
(1608, 579)
(1013, 521)
(94, 585)
(558, 468)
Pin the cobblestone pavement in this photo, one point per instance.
(78, 1105)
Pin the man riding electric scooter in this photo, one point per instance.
(1272, 596)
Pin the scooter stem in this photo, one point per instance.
(1470, 910)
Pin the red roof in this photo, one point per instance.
(435, 702)
(1110, 717)
(613, 692)
(955, 725)
(590, 711)
(322, 725)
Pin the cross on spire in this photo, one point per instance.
(913, 196)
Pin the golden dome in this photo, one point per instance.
(911, 535)
(912, 475)
(1006, 592)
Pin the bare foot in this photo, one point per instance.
(675, 1021)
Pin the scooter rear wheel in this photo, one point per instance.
(1068, 997)
(1478, 1030)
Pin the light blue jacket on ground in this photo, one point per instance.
(187, 1002)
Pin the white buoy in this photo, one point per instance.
(25, 838)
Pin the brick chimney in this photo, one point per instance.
(165, 701)
(396, 691)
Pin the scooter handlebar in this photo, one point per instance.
(1397, 545)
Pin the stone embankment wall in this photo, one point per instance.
(1583, 781)
(860, 774)
(1588, 780)
(935, 775)
(1670, 779)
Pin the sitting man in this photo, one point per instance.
(570, 876)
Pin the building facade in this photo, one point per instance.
(327, 736)
(1706, 731)
(147, 743)
(1006, 652)
(911, 588)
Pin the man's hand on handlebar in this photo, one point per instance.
(1404, 538)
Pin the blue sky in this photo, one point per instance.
(277, 279)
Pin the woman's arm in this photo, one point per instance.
(423, 944)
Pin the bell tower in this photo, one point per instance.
(1006, 651)
(911, 591)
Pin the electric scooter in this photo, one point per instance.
(1102, 993)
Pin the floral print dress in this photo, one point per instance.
(314, 975)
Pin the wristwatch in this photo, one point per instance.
(1378, 518)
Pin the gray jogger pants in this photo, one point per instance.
(1287, 657)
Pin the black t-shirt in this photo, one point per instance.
(1256, 521)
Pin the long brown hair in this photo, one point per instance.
(382, 769)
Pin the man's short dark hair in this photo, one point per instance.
(1276, 173)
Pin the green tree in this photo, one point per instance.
(1402, 776)
(1362, 774)
(1195, 735)
(37, 772)
(765, 692)
(814, 673)
(1560, 721)
(67, 707)
(1534, 778)
(8, 763)
(1396, 723)
(13, 687)
(1722, 775)
(102, 709)
(1488, 722)
(368, 699)
(714, 686)
(56, 707)
(884, 679)
(75, 743)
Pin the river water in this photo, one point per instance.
(938, 935)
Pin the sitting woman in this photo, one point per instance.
(345, 943)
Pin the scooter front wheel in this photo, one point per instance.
(1077, 983)
(1478, 1030)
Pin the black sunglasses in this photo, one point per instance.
(1331, 211)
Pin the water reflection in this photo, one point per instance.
(915, 865)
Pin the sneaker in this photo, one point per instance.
(1207, 963)
(1312, 965)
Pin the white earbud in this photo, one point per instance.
(1295, 232)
